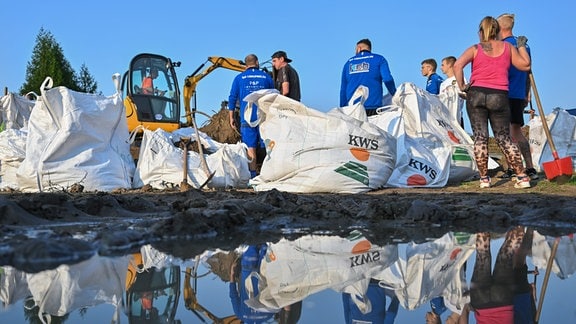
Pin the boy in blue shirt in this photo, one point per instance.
(433, 80)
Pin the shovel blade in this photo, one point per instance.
(560, 170)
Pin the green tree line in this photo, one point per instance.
(48, 60)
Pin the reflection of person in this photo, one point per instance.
(289, 314)
(148, 83)
(524, 294)
(518, 91)
(147, 300)
(487, 96)
(378, 314)
(248, 262)
(252, 79)
(492, 293)
(367, 69)
(286, 79)
(433, 80)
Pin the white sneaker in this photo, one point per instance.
(485, 182)
(522, 182)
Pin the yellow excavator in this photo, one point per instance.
(191, 301)
(152, 295)
(152, 95)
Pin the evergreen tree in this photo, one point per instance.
(86, 82)
(48, 60)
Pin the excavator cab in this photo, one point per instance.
(152, 295)
(151, 93)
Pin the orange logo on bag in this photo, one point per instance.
(416, 180)
(269, 147)
(453, 137)
(455, 253)
(361, 154)
(361, 247)
(270, 256)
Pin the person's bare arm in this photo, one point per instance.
(285, 88)
(459, 65)
(520, 56)
(231, 119)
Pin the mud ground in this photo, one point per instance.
(60, 227)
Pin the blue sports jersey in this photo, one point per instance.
(244, 84)
(370, 70)
(516, 78)
(433, 83)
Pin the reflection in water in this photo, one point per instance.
(277, 282)
(151, 293)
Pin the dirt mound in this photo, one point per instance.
(221, 263)
(218, 127)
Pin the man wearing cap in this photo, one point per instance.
(286, 79)
(367, 69)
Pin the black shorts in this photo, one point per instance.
(517, 111)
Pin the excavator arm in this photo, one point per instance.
(192, 80)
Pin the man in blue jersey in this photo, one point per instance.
(518, 95)
(252, 79)
(367, 69)
(433, 80)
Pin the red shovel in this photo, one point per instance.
(559, 170)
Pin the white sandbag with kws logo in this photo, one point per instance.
(433, 149)
(312, 151)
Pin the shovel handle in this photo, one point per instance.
(542, 115)
(200, 150)
(546, 277)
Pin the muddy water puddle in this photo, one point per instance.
(306, 279)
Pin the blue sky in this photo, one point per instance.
(318, 36)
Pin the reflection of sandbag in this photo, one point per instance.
(13, 285)
(88, 283)
(565, 261)
(312, 151)
(74, 138)
(429, 270)
(293, 270)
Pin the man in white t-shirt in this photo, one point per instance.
(447, 68)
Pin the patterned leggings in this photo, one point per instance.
(492, 105)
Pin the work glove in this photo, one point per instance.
(521, 41)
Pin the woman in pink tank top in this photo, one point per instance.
(487, 96)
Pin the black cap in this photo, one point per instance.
(279, 54)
